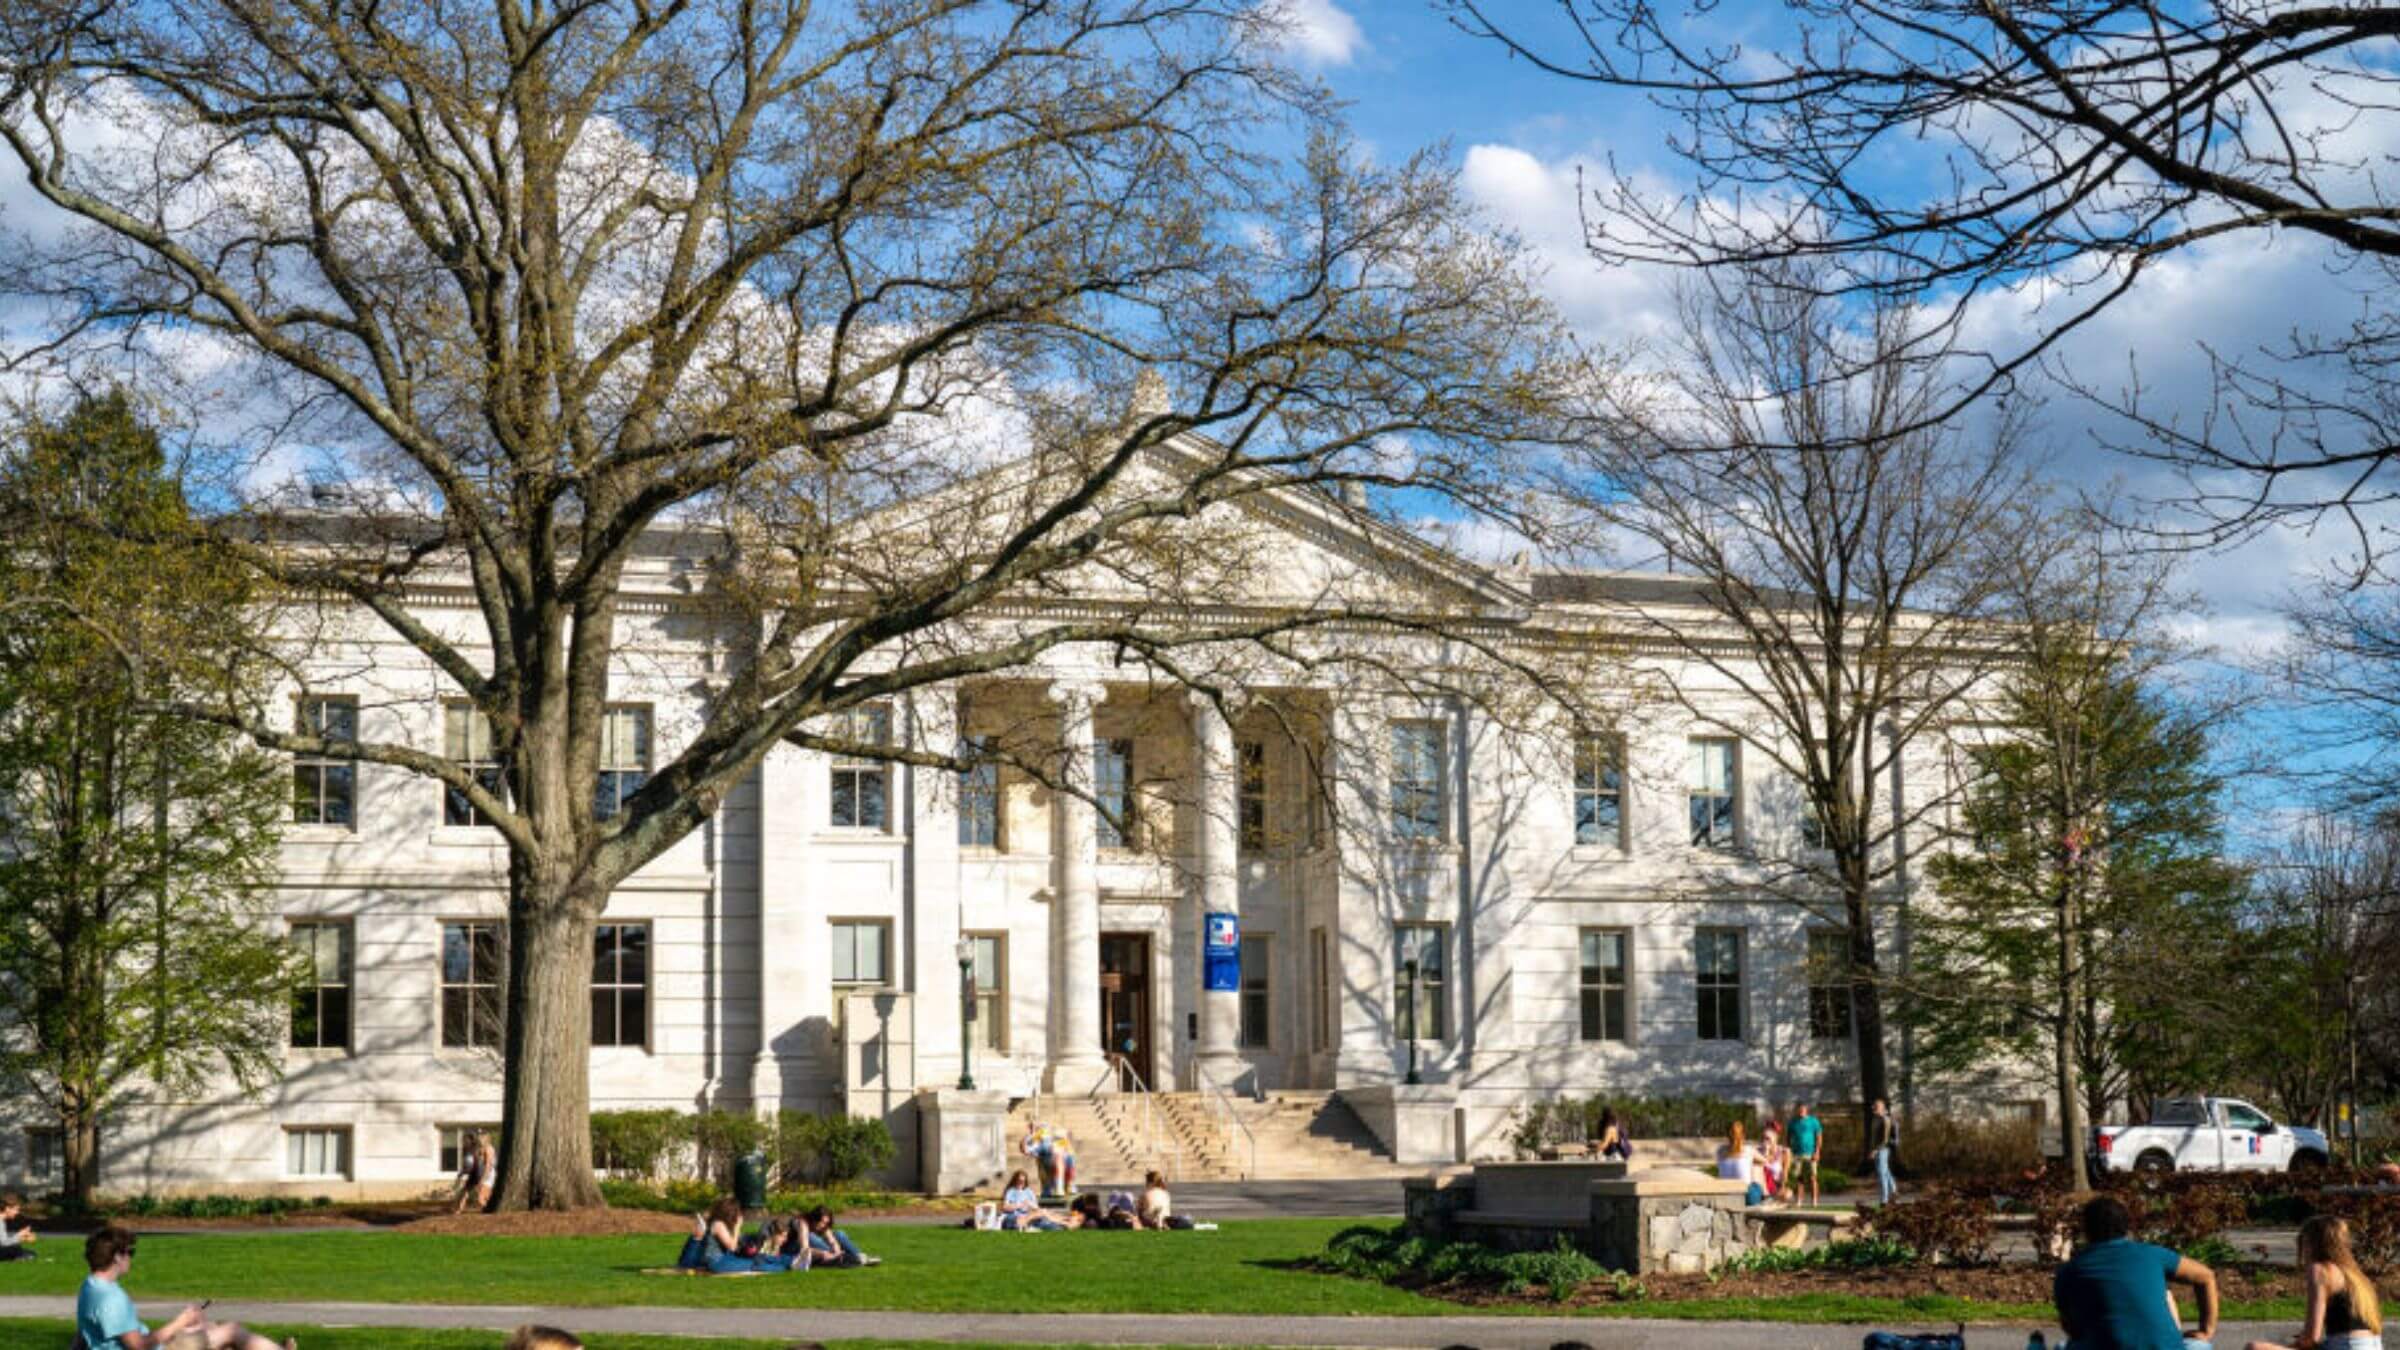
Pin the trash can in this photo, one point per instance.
(750, 1179)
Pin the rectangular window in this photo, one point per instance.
(979, 795)
(1420, 790)
(862, 784)
(1257, 950)
(450, 1152)
(1112, 790)
(474, 957)
(1829, 984)
(1253, 796)
(45, 1156)
(1320, 986)
(321, 1005)
(325, 791)
(467, 742)
(1599, 789)
(1714, 785)
(1718, 976)
(316, 1153)
(1602, 985)
(624, 757)
(1422, 943)
(991, 991)
(862, 960)
(621, 985)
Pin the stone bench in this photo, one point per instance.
(1785, 1226)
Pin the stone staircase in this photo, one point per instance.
(1297, 1136)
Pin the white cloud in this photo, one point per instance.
(1541, 202)
(1314, 32)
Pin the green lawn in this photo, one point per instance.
(1245, 1268)
(36, 1332)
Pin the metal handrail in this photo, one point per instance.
(1155, 1143)
(1220, 1104)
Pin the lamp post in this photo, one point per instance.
(2352, 1020)
(1410, 966)
(966, 1014)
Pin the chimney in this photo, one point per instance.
(1353, 494)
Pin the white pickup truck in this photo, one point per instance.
(2207, 1134)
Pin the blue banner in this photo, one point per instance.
(1221, 953)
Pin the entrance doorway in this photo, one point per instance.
(1125, 1005)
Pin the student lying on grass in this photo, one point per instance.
(718, 1247)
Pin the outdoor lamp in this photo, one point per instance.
(1410, 966)
(966, 1014)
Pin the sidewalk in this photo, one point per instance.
(1486, 1333)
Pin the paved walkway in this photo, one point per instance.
(1485, 1333)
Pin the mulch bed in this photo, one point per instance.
(553, 1223)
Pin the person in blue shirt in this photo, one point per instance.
(2113, 1295)
(105, 1317)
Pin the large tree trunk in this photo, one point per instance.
(545, 1138)
(2070, 1047)
(81, 1160)
(1866, 994)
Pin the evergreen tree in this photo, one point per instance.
(137, 957)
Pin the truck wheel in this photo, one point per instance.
(2309, 1160)
(2156, 1163)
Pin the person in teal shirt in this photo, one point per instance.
(105, 1318)
(2113, 1295)
(1807, 1139)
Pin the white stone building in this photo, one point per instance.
(1571, 935)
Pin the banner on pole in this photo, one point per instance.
(1221, 953)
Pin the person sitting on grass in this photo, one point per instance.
(16, 1244)
(105, 1319)
(2114, 1294)
(716, 1245)
(2344, 1312)
(1021, 1208)
(830, 1245)
(1084, 1212)
(542, 1338)
(1158, 1204)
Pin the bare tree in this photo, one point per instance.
(1952, 151)
(1845, 554)
(937, 307)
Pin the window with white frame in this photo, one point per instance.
(991, 990)
(1828, 984)
(321, 1002)
(1715, 785)
(450, 1148)
(474, 958)
(1112, 790)
(862, 961)
(1599, 788)
(467, 742)
(1255, 1028)
(1601, 984)
(1320, 990)
(862, 784)
(624, 757)
(1419, 787)
(325, 790)
(1422, 943)
(978, 794)
(621, 985)
(1717, 976)
(316, 1152)
(1253, 796)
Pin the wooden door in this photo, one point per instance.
(1125, 1032)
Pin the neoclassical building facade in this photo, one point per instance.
(1582, 907)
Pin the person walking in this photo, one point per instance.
(1883, 1136)
(1807, 1137)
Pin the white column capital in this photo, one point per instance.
(1070, 694)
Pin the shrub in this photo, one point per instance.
(1568, 1118)
(1561, 1270)
(1940, 1224)
(148, 1206)
(1954, 1146)
(2374, 1227)
(637, 1144)
(2189, 1215)
(1846, 1254)
(830, 1150)
(1831, 1179)
(720, 1137)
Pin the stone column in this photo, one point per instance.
(1075, 1056)
(1218, 875)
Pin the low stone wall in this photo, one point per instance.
(1664, 1221)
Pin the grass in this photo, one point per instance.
(1245, 1268)
(36, 1331)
